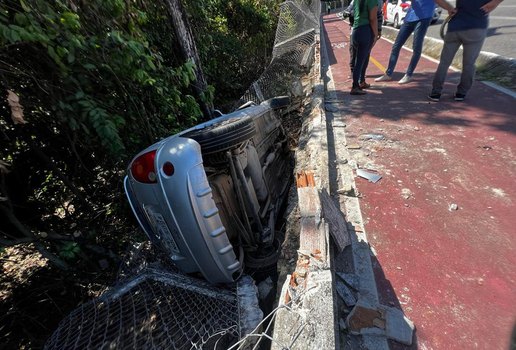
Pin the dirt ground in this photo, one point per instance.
(35, 296)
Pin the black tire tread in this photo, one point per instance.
(224, 135)
(279, 102)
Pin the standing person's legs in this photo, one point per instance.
(420, 29)
(472, 41)
(406, 29)
(451, 45)
(362, 81)
(362, 42)
(354, 42)
(366, 63)
(352, 54)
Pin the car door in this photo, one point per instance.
(391, 10)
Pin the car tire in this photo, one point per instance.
(264, 260)
(278, 102)
(223, 135)
(396, 23)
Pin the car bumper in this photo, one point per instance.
(178, 213)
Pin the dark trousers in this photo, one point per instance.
(362, 41)
(353, 57)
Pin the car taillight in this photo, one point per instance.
(143, 169)
(168, 169)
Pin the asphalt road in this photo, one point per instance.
(501, 37)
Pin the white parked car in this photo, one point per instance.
(394, 11)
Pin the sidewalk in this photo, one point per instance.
(452, 272)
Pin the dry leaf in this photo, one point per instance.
(16, 108)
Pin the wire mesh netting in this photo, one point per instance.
(293, 50)
(154, 311)
(158, 309)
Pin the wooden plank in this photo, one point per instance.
(336, 221)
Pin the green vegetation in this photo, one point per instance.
(97, 82)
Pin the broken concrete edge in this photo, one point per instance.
(490, 65)
(303, 323)
(311, 311)
(360, 248)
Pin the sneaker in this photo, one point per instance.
(364, 85)
(357, 91)
(384, 77)
(459, 97)
(406, 79)
(434, 96)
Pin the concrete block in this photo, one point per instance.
(309, 203)
(363, 316)
(309, 323)
(398, 326)
(380, 320)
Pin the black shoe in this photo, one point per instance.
(459, 97)
(357, 91)
(434, 96)
(363, 85)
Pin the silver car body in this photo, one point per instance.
(194, 218)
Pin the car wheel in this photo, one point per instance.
(223, 135)
(278, 102)
(396, 22)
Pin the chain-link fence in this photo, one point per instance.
(293, 51)
(161, 309)
(154, 306)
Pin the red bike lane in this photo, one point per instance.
(442, 220)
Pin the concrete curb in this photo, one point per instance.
(367, 291)
(310, 323)
(490, 66)
(317, 326)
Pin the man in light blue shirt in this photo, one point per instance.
(416, 21)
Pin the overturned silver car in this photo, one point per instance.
(209, 197)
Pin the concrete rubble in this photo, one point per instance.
(380, 320)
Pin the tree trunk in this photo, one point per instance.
(189, 50)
